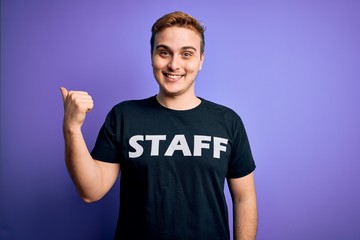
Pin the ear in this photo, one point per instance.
(201, 60)
(151, 57)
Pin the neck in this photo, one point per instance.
(178, 102)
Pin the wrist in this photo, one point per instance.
(71, 130)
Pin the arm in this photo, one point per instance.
(244, 207)
(92, 178)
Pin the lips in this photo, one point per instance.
(173, 77)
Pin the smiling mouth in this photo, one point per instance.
(173, 76)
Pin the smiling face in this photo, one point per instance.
(176, 61)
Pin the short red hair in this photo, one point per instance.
(178, 19)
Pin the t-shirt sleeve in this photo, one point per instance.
(241, 162)
(106, 147)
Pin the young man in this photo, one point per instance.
(175, 150)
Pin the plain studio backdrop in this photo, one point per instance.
(290, 69)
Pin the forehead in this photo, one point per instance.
(178, 37)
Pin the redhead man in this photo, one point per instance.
(174, 150)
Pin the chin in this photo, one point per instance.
(171, 93)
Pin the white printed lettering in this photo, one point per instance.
(200, 144)
(218, 147)
(155, 142)
(138, 148)
(178, 143)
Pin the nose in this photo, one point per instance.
(174, 63)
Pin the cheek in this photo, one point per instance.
(194, 68)
(158, 64)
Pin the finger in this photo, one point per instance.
(85, 105)
(79, 99)
(90, 107)
(79, 93)
(64, 93)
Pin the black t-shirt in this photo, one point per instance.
(173, 168)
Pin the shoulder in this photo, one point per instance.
(214, 105)
(219, 109)
(134, 104)
(223, 114)
(130, 108)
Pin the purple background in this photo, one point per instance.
(289, 68)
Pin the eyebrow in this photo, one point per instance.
(183, 48)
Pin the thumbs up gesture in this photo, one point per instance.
(76, 105)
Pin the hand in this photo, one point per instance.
(76, 105)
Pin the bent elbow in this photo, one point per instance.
(90, 199)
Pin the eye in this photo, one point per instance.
(164, 53)
(187, 54)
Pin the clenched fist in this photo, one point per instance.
(76, 105)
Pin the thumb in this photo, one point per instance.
(64, 93)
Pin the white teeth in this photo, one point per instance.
(173, 76)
